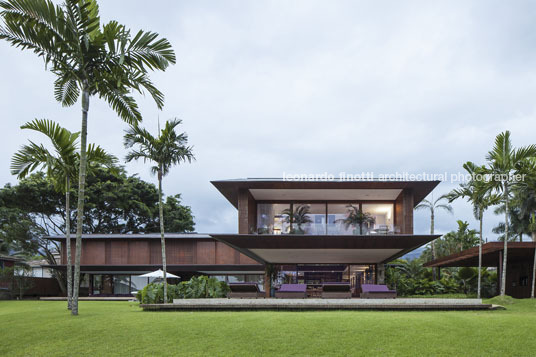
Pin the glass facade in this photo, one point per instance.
(116, 284)
(308, 218)
(345, 218)
(121, 284)
(383, 217)
(242, 278)
(273, 218)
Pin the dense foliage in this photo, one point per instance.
(115, 203)
(198, 287)
(452, 242)
(411, 278)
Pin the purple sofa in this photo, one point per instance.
(244, 291)
(336, 291)
(372, 291)
(292, 291)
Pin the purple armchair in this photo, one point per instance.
(372, 291)
(292, 291)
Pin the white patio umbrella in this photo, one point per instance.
(158, 274)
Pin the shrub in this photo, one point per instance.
(198, 287)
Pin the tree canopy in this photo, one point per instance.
(116, 203)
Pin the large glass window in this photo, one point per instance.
(340, 220)
(273, 218)
(137, 282)
(121, 284)
(235, 278)
(345, 218)
(382, 217)
(309, 218)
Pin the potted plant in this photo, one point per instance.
(357, 218)
(298, 218)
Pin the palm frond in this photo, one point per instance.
(29, 158)
(66, 90)
(121, 102)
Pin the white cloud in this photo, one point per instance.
(268, 87)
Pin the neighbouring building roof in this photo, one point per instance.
(134, 236)
(10, 258)
(491, 253)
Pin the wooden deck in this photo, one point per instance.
(319, 304)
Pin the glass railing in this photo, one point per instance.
(330, 229)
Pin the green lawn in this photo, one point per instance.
(121, 328)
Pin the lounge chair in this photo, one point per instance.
(244, 291)
(372, 291)
(292, 291)
(336, 291)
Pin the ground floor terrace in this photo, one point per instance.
(125, 283)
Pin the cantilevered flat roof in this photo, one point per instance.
(331, 190)
(517, 251)
(324, 249)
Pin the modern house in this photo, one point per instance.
(519, 262)
(301, 227)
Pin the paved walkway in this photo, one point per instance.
(321, 304)
(90, 298)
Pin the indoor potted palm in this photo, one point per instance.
(357, 218)
(298, 218)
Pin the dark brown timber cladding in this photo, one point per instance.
(140, 251)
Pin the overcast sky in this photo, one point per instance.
(268, 87)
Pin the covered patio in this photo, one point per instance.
(520, 261)
(314, 260)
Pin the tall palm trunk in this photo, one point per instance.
(480, 218)
(432, 226)
(68, 242)
(81, 196)
(533, 264)
(533, 274)
(505, 253)
(162, 239)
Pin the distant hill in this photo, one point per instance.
(414, 254)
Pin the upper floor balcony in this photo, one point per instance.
(341, 218)
(324, 208)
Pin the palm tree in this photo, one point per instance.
(525, 195)
(432, 205)
(479, 195)
(88, 60)
(167, 149)
(533, 229)
(61, 167)
(503, 162)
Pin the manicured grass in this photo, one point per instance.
(121, 328)
(441, 296)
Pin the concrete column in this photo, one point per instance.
(267, 285)
(380, 274)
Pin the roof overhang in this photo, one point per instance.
(517, 252)
(324, 249)
(280, 190)
(145, 268)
